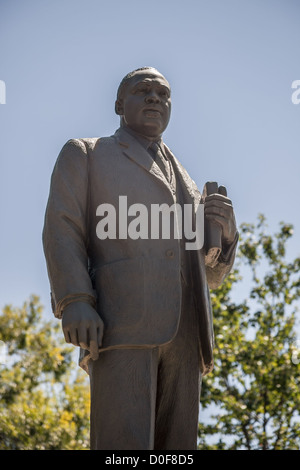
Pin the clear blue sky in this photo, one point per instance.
(230, 63)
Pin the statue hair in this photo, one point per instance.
(127, 77)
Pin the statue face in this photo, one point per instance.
(146, 104)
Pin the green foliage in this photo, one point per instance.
(44, 397)
(255, 383)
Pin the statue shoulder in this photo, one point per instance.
(96, 143)
(80, 150)
(84, 144)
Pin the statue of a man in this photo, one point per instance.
(137, 305)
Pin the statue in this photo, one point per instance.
(136, 302)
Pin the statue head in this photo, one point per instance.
(144, 102)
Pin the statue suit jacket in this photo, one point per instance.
(136, 283)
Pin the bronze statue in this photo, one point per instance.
(137, 305)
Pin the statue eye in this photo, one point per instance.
(141, 90)
(164, 93)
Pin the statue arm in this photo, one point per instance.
(65, 232)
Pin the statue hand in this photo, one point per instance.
(219, 209)
(82, 326)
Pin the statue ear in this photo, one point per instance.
(119, 107)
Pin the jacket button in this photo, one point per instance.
(170, 253)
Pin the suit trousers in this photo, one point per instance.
(148, 398)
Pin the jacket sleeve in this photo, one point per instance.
(65, 228)
(216, 275)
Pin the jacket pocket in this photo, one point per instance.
(139, 301)
(121, 294)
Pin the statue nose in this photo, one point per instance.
(152, 98)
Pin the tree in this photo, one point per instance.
(255, 383)
(44, 398)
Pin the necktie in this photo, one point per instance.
(161, 160)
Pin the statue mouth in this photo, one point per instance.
(152, 112)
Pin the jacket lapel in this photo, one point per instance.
(137, 153)
(191, 193)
